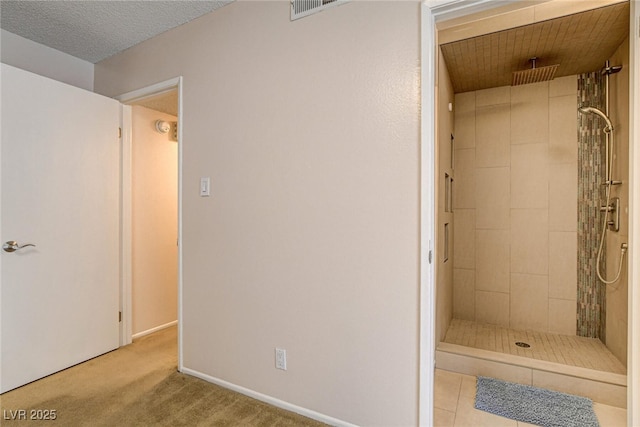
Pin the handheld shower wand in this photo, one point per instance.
(608, 129)
(599, 113)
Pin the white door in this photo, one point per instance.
(59, 176)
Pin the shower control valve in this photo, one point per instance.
(613, 220)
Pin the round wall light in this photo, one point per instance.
(162, 126)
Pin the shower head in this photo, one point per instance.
(593, 110)
(534, 74)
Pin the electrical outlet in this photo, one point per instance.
(281, 359)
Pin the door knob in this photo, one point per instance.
(12, 246)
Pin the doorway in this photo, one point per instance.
(151, 224)
(451, 11)
(154, 213)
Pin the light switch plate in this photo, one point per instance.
(205, 186)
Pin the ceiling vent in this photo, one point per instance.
(302, 8)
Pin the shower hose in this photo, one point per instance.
(623, 249)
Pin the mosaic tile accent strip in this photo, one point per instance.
(591, 296)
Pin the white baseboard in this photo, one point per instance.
(270, 400)
(152, 330)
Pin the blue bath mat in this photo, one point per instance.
(534, 405)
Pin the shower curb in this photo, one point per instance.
(603, 387)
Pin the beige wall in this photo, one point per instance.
(617, 293)
(45, 61)
(309, 131)
(444, 213)
(515, 206)
(154, 222)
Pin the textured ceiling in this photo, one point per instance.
(579, 43)
(94, 30)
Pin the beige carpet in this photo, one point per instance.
(138, 385)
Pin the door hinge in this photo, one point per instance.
(119, 316)
(119, 132)
(430, 256)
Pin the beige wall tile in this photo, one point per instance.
(529, 241)
(567, 85)
(445, 242)
(529, 302)
(465, 130)
(617, 294)
(620, 116)
(443, 418)
(492, 260)
(563, 197)
(535, 174)
(446, 390)
(609, 394)
(464, 238)
(617, 336)
(473, 366)
(465, 102)
(563, 129)
(468, 387)
(562, 316)
(492, 308)
(493, 96)
(465, 120)
(563, 265)
(445, 160)
(610, 415)
(467, 415)
(493, 136)
(530, 113)
(464, 298)
(492, 198)
(621, 191)
(529, 176)
(444, 286)
(617, 299)
(464, 179)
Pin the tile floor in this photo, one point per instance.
(454, 406)
(568, 350)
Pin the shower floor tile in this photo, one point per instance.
(569, 350)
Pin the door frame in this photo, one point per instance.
(441, 10)
(126, 306)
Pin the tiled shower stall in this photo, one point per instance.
(515, 205)
(525, 193)
(519, 189)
